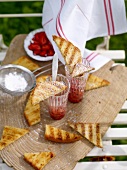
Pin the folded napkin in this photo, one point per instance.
(81, 20)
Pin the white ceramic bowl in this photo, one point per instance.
(28, 41)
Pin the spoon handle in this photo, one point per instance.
(54, 67)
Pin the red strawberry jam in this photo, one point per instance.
(75, 95)
(57, 113)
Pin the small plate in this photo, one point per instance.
(27, 42)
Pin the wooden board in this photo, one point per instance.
(99, 105)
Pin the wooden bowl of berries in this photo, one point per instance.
(38, 46)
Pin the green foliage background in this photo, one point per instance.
(10, 27)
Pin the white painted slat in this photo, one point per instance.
(109, 150)
(124, 107)
(107, 142)
(20, 15)
(113, 54)
(121, 119)
(112, 165)
(115, 134)
(115, 64)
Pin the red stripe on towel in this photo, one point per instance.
(112, 21)
(57, 23)
(93, 57)
(48, 22)
(106, 14)
(59, 28)
(89, 55)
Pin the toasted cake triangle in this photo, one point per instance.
(11, 134)
(90, 131)
(32, 112)
(79, 69)
(94, 82)
(70, 53)
(42, 78)
(38, 160)
(58, 135)
(44, 90)
(26, 62)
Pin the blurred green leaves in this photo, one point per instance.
(10, 27)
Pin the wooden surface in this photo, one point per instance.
(99, 105)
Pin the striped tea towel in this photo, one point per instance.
(81, 20)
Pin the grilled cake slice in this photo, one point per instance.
(32, 112)
(26, 62)
(79, 69)
(11, 134)
(58, 135)
(42, 78)
(91, 131)
(38, 160)
(70, 53)
(94, 82)
(44, 90)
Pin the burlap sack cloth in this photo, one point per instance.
(99, 105)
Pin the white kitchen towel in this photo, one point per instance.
(81, 20)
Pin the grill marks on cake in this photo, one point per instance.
(52, 131)
(90, 131)
(87, 130)
(82, 128)
(71, 53)
(58, 135)
(98, 132)
(68, 50)
(44, 90)
(38, 159)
